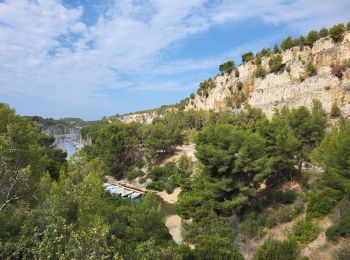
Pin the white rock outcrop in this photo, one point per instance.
(292, 87)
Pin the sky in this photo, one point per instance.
(95, 58)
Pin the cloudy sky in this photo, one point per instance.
(93, 58)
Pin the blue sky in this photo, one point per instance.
(89, 59)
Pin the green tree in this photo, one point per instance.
(323, 32)
(333, 155)
(312, 37)
(117, 145)
(276, 49)
(337, 32)
(227, 67)
(287, 43)
(162, 139)
(248, 56)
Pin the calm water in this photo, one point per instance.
(66, 146)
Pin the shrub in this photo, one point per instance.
(275, 63)
(323, 33)
(335, 111)
(134, 174)
(276, 48)
(281, 197)
(275, 250)
(239, 85)
(311, 70)
(205, 86)
(301, 41)
(236, 73)
(265, 52)
(319, 204)
(156, 185)
(248, 56)
(287, 43)
(170, 185)
(227, 67)
(288, 69)
(305, 231)
(341, 229)
(192, 96)
(260, 72)
(338, 70)
(348, 26)
(312, 37)
(337, 32)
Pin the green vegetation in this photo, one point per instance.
(248, 56)
(305, 231)
(275, 250)
(310, 70)
(236, 190)
(227, 67)
(312, 37)
(337, 32)
(323, 32)
(260, 72)
(335, 111)
(340, 229)
(205, 87)
(275, 63)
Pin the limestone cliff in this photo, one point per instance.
(291, 87)
(141, 117)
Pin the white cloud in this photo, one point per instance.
(47, 50)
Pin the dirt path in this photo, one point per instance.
(173, 223)
(180, 150)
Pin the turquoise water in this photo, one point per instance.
(66, 146)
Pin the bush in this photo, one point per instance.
(348, 26)
(275, 63)
(227, 67)
(341, 229)
(276, 250)
(312, 37)
(301, 41)
(311, 70)
(170, 185)
(156, 185)
(287, 43)
(305, 231)
(338, 70)
(260, 72)
(276, 48)
(335, 111)
(236, 73)
(248, 56)
(192, 96)
(281, 197)
(337, 32)
(239, 85)
(134, 174)
(319, 204)
(323, 33)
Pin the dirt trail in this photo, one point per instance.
(180, 150)
(173, 223)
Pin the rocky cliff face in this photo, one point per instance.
(291, 87)
(142, 117)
